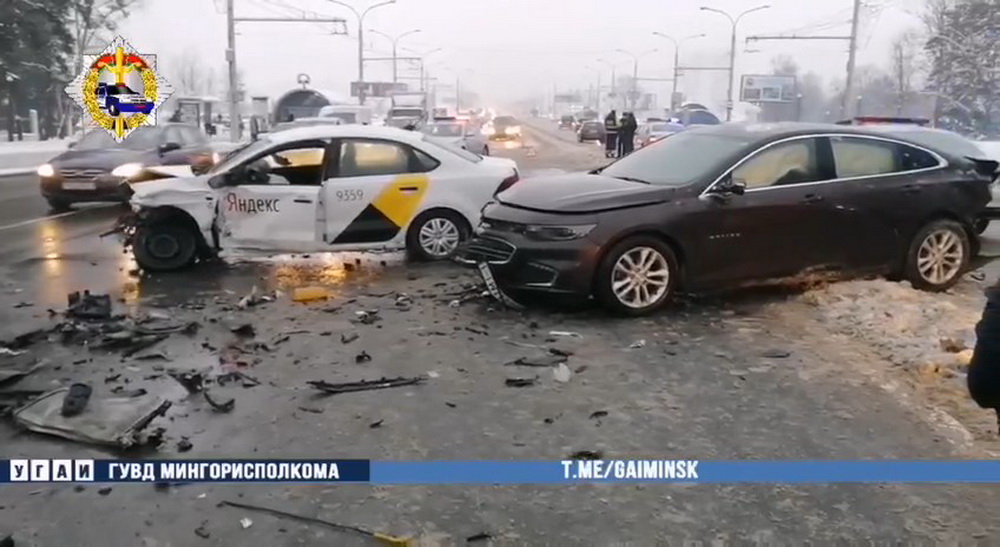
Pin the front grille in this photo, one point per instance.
(487, 249)
(501, 226)
(81, 174)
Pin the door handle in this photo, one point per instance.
(911, 189)
(812, 198)
(409, 189)
(302, 200)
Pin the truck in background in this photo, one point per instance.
(408, 108)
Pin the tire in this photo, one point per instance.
(981, 225)
(939, 236)
(607, 272)
(165, 246)
(113, 109)
(447, 224)
(57, 205)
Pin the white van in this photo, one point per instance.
(348, 114)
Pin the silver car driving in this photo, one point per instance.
(458, 133)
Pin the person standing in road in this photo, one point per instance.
(627, 136)
(983, 378)
(611, 135)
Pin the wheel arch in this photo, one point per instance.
(944, 214)
(671, 242)
(441, 209)
(169, 213)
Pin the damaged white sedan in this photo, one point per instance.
(317, 189)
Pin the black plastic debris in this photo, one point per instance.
(89, 306)
(349, 337)
(539, 361)
(220, 406)
(366, 317)
(365, 385)
(521, 382)
(201, 531)
(104, 491)
(7, 541)
(193, 382)
(586, 455)
(76, 400)
(776, 354)
(184, 445)
(362, 357)
(237, 376)
(376, 425)
(597, 414)
(245, 329)
(481, 536)
(23, 305)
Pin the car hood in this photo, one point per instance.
(104, 158)
(581, 193)
(170, 191)
(499, 162)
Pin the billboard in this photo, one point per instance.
(767, 89)
(378, 89)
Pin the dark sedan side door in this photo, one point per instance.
(886, 189)
(781, 225)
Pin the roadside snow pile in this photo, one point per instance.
(919, 330)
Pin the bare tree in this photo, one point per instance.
(189, 74)
(89, 19)
(906, 54)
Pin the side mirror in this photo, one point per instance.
(218, 181)
(169, 147)
(731, 186)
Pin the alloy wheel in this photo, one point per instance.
(940, 256)
(640, 277)
(439, 237)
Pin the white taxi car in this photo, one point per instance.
(317, 189)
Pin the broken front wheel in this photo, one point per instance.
(163, 247)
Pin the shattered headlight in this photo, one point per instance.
(558, 233)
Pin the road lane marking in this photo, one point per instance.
(37, 220)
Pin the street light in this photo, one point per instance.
(597, 105)
(395, 43)
(635, 71)
(732, 51)
(677, 61)
(361, 41)
(614, 78)
(423, 56)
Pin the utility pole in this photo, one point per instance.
(235, 133)
(677, 63)
(361, 41)
(851, 58)
(458, 96)
(634, 92)
(732, 52)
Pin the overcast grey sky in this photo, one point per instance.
(507, 49)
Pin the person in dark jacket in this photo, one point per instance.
(611, 135)
(983, 379)
(629, 127)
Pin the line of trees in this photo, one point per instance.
(42, 44)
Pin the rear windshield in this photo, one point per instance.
(406, 113)
(505, 120)
(593, 125)
(944, 141)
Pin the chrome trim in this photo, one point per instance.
(942, 162)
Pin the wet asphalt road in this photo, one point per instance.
(699, 387)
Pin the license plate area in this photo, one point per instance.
(79, 186)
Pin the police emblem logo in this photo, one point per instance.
(119, 89)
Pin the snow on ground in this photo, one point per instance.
(917, 330)
(991, 148)
(22, 147)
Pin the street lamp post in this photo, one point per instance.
(677, 62)
(395, 44)
(597, 101)
(732, 51)
(361, 41)
(635, 72)
(423, 57)
(614, 79)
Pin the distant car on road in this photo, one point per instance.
(719, 206)
(689, 117)
(94, 167)
(591, 131)
(463, 135)
(319, 189)
(567, 121)
(120, 98)
(505, 128)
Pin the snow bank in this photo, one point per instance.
(991, 148)
(924, 331)
(22, 147)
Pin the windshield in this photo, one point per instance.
(406, 113)
(120, 90)
(241, 155)
(346, 117)
(682, 159)
(144, 138)
(504, 120)
(444, 130)
(461, 152)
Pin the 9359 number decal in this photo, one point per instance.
(349, 195)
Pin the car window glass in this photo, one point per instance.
(787, 163)
(194, 136)
(911, 159)
(370, 158)
(173, 135)
(856, 157)
(293, 165)
(424, 163)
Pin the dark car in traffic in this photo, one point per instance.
(93, 168)
(591, 131)
(719, 206)
(505, 128)
(567, 121)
